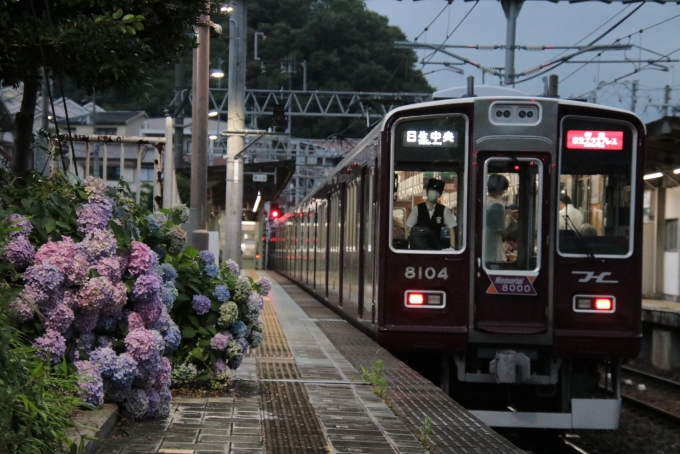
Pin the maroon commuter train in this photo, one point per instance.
(529, 330)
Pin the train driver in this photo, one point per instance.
(570, 216)
(424, 224)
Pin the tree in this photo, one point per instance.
(99, 44)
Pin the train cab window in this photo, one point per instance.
(595, 216)
(429, 161)
(512, 213)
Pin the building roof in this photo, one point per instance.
(113, 117)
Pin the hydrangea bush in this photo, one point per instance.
(93, 292)
(218, 311)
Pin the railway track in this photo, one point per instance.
(654, 384)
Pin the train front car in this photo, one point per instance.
(514, 249)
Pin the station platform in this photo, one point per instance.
(302, 391)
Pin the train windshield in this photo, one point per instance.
(429, 161)
(596, 188)
(512, 210)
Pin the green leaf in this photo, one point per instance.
(128, 18)
(140, 17)
(130, 30)
(194, 321)
(50, 225)
(121, 27)
(191, 252)
(118, 14)
(197, 353)
(203, 331)
(188, 332)
(98, 19)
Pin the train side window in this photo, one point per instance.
(424, 149)
(596, 203)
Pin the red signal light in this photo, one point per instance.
(275, 213)
(603, 304)
(416, 299)
(517, 168)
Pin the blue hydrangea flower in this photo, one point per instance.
(105, 359)
(207, 257)
(238, 329)
(156, 221)
(255, 339)
(201, 304)
(125, 371)
(221, 293)
(168, 272)
(235, 363)
(172, 338)
(169, 294)
(212, 271)
(154, 402)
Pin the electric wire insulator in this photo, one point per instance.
(534, 48)
(487, 46)
(487, 69)
(531, 71)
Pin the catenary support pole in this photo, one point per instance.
(168, 174)
(199, 135)
(511, 9)
(235, 124)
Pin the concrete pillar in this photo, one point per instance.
(665, 349)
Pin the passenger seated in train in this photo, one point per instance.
(425, 223)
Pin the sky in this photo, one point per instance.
(547, 23)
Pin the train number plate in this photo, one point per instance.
(511, 285)
(422, 272)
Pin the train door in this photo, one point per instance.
(511, 252)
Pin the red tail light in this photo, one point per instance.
(603, 304)
(416, 298)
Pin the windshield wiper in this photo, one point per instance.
(583, 245)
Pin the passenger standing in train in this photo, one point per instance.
(427, 219)
(568, 210)
(495, 218)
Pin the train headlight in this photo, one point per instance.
(425, 299)
(595, 303)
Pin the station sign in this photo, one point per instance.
(260, 177)
(430, 138)
(595, 140)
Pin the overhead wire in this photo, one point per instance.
(434, 51)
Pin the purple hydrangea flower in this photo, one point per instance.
(233, 267)
(104, 341)
(221, 293)
(164, 321)
(93, 216)
(99, 243)
(201, 304)
(90, 382)
(21, 309)
(168, 272)
(94, 294)
(220, 341)
(255, 303)
(220, 366)
(46, 278)
(244, 345)
(238, 329)
(117, 301)
(109, 267)
(207, 257)
(135, 321)
(136, 405)
(147, 286)
(150, 310)
(172, 339)
(95, 189)
(51, 342)
(82, 346)
(21, 222)
(19, 252)
(265, 286)
(60, 318)
(67, 257)
(124, 371)
(177, 239)
(154, 402)
(105, 359)
(163, 374)
(142, 259)
(85, 322)
(143, 344)
(212, 271)
(146, 372)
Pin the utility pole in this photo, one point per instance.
(235, 128)
(511, 9)
(666, 100)
(199, 137)
(633, 100)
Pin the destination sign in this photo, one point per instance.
(430, 138)
(595, 140)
